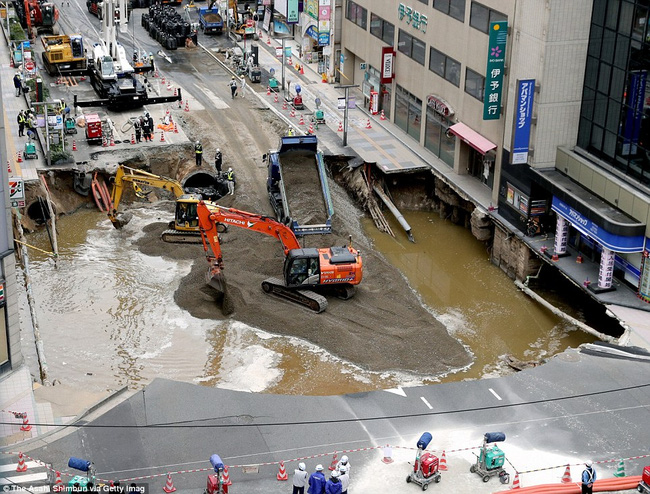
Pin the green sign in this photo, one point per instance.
(494, 73)
(311, 7)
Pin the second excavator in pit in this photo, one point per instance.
(334, 270)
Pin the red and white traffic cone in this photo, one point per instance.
(340, 129)
(302, 69)
(25, 427)
(275, 98)
(290, 62)
(58, 483)
(293, 113)
(132, 139)
(226, 476)
(284, 105)
(22, 466)
(169, 486)
(332, 466)
(302, 120)
(268, 90)
(282, 473)
(443, 462)
(155, 74)
(515, 483)
(163, 80)
(566, 478)
(368, 126)
(175, 128)
(9, 167)
(382, 116)
(162, 136)
(112, 140)
(175, 92)
(310, 130)
(20, 157)
(74, 145)
(268, 40)
(187, 105)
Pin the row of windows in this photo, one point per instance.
(412, 47)
(383, 29)
(446, 67)
(480, 15)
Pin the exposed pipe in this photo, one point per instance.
(393, 209)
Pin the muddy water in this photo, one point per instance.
(108, 318)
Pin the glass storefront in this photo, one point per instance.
(408, 112)
(436, 139)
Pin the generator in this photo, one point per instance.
(30, 150)
(489, 462)
(644, 485)
(93, 128)
(70, 127)
(426, 468)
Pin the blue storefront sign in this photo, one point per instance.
(616, 243)
(312, 32)
(323, 39)
(523, 117)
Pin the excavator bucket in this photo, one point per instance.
(216, 279)
(121, 219)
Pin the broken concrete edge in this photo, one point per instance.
(64, 429)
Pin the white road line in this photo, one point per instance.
(12, 466)
(218, 103)
(495, 394)
(398, 391)
(23, 479)
(426, 402)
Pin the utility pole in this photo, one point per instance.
(345, 111)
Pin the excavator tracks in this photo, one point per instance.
(178, 237)
(308, 298)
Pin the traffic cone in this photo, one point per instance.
(175, 128)
(566, 478)
(25, 427)
(284, 105)
(74, 145)
(162, 136)
(169, 86)
(20, 157)
(310, 130)
(226, 477)
(388, 454)
(302, 70)
(175, 92)
(156, 74)
(579, 259)
(169, 486)
(282, 473)
(187, 105)
(382, 116)
(555, 258)
(368, 126)
(268, 40)
(58, 483)
(332, 466)
(340, 127)
(515, 483)
(22, 466)
(132, 139)
(275, 98)
(290, 62)
(163, 80)
(293, 113)
(620, 470)
(9, 167)
(302, 120)
(268, 90)
(443, 462)
(112, 140)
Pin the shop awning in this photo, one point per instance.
(471, 137)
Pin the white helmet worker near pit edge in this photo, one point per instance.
(301, 466)
(319, 468)
(344, 459)
(229, 169)
(589, 463)
(344, 469)
(335, 474)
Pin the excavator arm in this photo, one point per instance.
(138, 178)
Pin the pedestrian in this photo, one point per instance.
(230, 177)
(198, 153)
(317, 481)
(233, 87)
(333, 485)
(151, 62)
(242, 85)
(18, 84)
(299, 479)
(345, 479)
(218, 159)
(588, 478)
(343, 462)
(21, 123)
(137, 125)
(149, 120)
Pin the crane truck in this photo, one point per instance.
(185, 227)
(297, 163)
(335, 270)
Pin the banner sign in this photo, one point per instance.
(523, 117)
(292, 11)
(634, 114)
(324, 13)
(312, 32)
(311, 8)
(324, 39)
(387, 64)
(606, 269)
(644, 279)
(494, 73)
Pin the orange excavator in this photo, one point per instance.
(333, 270)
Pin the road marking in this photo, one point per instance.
(495, 394)
(10, 467)
(426, 402)
(24, 479)
(398, 391)
(218, 103)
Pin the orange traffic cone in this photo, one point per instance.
(382, 116)
(555, 258)
(163, 80)
(20, 157)
(388, 454)
(333, 464)
(310, 130)
(515, 483)
(162, 136)
(443, 462)
(284, 105)
(169, 486)
(9, 167)
(74, 145)
(22, 466)
(566, 478)
(104, 141)
(226, 476)
(302, 120)
(132, 139)
(268, 90)
(290, 62)
(368, 126)
(275, 98)
(268, 40)
(187, 105)
(302, 70)
(25, 427)
(175, 128)
(58, 483)
(112, 140)
(340, 127)
(293, 113)
(282, 473)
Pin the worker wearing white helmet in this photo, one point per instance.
(317, 481)
(343, 461)
(588, 478)
(333, 485)
(230, 178)
(344, 477)
(300, 479)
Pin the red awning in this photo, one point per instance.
(471, 137)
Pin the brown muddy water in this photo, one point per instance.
(107, 315)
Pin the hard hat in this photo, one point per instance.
(588, 463)
(233, 78)
(335, 474)
(344, 469)
(229, 169)
(218, 150)
(344, 459)
(301, 466)
(319, 467)
(198, 142)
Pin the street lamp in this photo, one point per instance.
(48, 157)
(345, 111)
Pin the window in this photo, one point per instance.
(411, 46)
(382, 29)
(474, 84)
(357, 14)
(481, 16)
(453, 8)
(446, 67)
(408, 112)
(424, 1)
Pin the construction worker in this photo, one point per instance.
(333, 485)
(343, 462)
(149, 124)
(317, 481)
(218, 159)
(137, 125)
(18, 84)
(233, 87)
(290, 131)
(198, 153)
(242, 85)
(230, 177)
(21, 123)
(299, 479)
(588, 478)
(151, 63)
(345, 479)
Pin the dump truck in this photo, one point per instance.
(210, 20)
(64, 54)
(298, 187)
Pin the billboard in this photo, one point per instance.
(494, 73)
(522, 121)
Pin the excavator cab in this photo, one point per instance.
(301, 267)
(186, 218)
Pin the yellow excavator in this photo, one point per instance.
(184, 228)
(243, 26)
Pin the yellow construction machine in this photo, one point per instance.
(64, 54)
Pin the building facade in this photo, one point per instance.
(541, 101)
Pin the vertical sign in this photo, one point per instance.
(521, 124)
(644, 279)
(634, 113)
(561, 235)
(292, 11)
(387, 65)
(494, 73)
(606, 270)
(311, 8)
(324, 18)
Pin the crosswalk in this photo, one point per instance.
(36, 479)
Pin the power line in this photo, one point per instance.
(199, 423)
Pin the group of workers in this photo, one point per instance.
(338, 483)
(26, 120)
(218, 161)
(143, 127)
